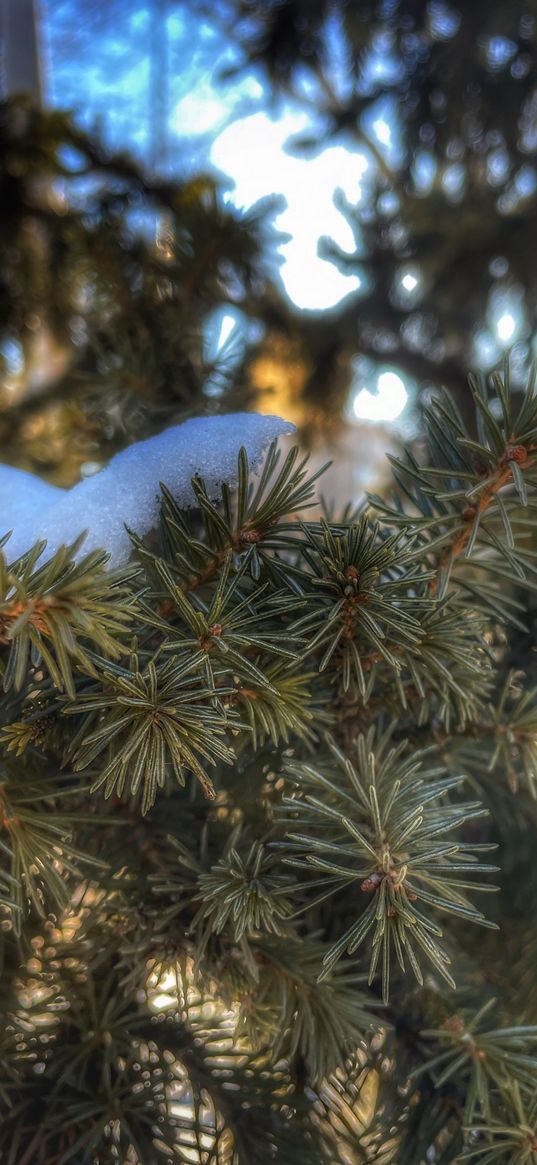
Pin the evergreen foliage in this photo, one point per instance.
(109, 277)
(252, 789)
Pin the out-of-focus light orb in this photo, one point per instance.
(219, 327)
(505, 327)
(409, 282)
(382, 131)
(486, 348)
(408, 288)
(227, 327)
(386, 404)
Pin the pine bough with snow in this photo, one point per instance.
(268, 806)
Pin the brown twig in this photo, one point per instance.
(501, 477)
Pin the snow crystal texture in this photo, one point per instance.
(126, 492)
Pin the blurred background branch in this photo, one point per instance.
(399, 142)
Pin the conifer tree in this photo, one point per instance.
(259, 789)
(112, 284)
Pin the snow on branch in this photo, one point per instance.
(126, 493)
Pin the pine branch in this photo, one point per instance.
(50, 612)
(484, 1060)
(235, 946)
(379, 827)
(159, 716)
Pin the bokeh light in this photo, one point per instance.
(386, 403)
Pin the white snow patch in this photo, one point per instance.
(22, 493)
(126, 492)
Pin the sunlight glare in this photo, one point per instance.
(505, 327)
(382, 131)
(206, 110)
(386, 403)
(228, 325)
(252, 152)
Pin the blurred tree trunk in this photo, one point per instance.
(20, 50)
(44, 359)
